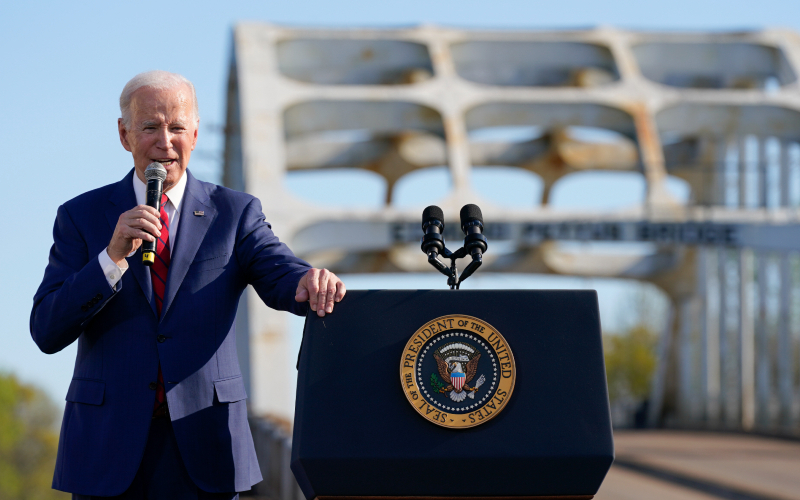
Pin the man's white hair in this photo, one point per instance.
(159, 80)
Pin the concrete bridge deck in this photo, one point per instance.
(661, 465)
(649, 465)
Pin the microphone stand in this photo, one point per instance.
(454, 280)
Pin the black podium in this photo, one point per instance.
(360, 432)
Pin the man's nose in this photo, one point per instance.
(164, 138)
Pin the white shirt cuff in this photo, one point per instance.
(112, 271)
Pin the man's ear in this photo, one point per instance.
(123, 135)
(194, 139)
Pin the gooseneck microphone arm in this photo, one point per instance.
(433, 242)
(433, 259)
(474, 241)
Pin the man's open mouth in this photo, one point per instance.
(166, 162)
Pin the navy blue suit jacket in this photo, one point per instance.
(110, 402)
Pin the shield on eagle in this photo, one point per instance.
(458, 380)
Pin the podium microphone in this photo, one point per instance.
(475, 243)
(155, 174)
(433, 226)
(472, 224)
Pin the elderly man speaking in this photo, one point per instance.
(156, 407)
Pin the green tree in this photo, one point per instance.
(630, 362)
(28, 442)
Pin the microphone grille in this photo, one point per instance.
(155, 171)
(470, 213)
(432, 212)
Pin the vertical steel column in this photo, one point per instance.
(784, 361)
(742, 160)
(684, 356)
(659, 382)
(746, 340)
(699, 333)
(741, 402)
(762, 173)
(763, 364)
(703, 320)
(720, 170)
(724, 343)
(712, 358)
(722, 261)
(785, 386)
(785, 175)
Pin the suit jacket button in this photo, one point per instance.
(95, 301)
(152, 386)
(99, 296)
(161, 338)
(84, 308)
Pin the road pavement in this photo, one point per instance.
(662, 465)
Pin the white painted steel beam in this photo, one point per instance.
(785, 372)
(746, 340)
(763, 365)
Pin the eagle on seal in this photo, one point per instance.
(455, 367)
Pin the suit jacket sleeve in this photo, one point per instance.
(270, 265)
(73, 290)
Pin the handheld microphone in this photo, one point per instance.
(472, 225)
(155, 174)
(433, 226)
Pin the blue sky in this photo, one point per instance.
(64, 64)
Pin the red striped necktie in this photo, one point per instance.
(158, 275)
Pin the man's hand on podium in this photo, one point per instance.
(321, 288)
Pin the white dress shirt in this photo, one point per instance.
(112, 271)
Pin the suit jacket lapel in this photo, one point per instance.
(122, 200)
(191, 232)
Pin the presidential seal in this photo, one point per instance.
(457, 371)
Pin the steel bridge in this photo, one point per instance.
(719, 110)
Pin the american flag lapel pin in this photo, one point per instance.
(199, 213)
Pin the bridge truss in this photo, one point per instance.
(719, 110)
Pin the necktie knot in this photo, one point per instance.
(163, 211)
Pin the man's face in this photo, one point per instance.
(163, 128)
